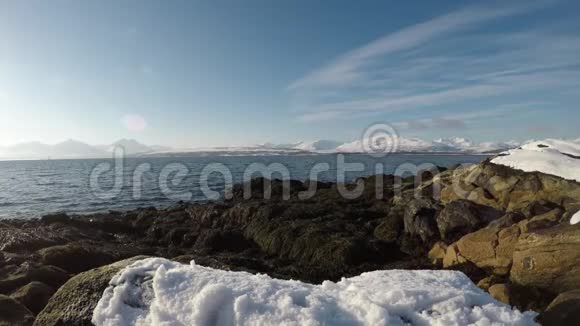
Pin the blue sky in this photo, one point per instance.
(207, 73)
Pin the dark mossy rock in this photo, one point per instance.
(28, 272)
(74, 258)
(264, 188)
(564, 310)
(13, 313)
(530, 298)
(420, 219)
(389, 228)
(55, 218)
(460, 217)
(81, 256)
(215, 240)
(34, 295)
(74, 302)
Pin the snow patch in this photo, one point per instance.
(551, 156)
(575, 218)
(318, 146)
(157, 291)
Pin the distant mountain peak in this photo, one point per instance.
(131, 146)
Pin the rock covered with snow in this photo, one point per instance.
(157, 291)
(551, 156)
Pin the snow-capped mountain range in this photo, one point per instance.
(77, 149)
(74, 149)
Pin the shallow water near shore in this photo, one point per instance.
(31, 189)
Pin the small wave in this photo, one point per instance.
(49, 175)
(49, 183)
(71, 205)
(99, 204)
(12, 204)
(51, 198)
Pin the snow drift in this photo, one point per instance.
(157, 291)
(551, 156)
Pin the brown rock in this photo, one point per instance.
(437, 253)
(500, 292)
(548, 259)
(506, 243)
(479, 248)
(453, 257)
(491, 248)
(486, 282)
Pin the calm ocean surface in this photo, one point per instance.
(34, 188)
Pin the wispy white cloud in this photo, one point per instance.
(346, 68)
(446, 60)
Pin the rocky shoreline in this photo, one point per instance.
(507, 230)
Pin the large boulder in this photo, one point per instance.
(74, 302)
(492, 248)
(489, 248)
(419, 218)
(548, 259)
(81, 256)
(460, 217)
(74, 258)
(13, 313)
